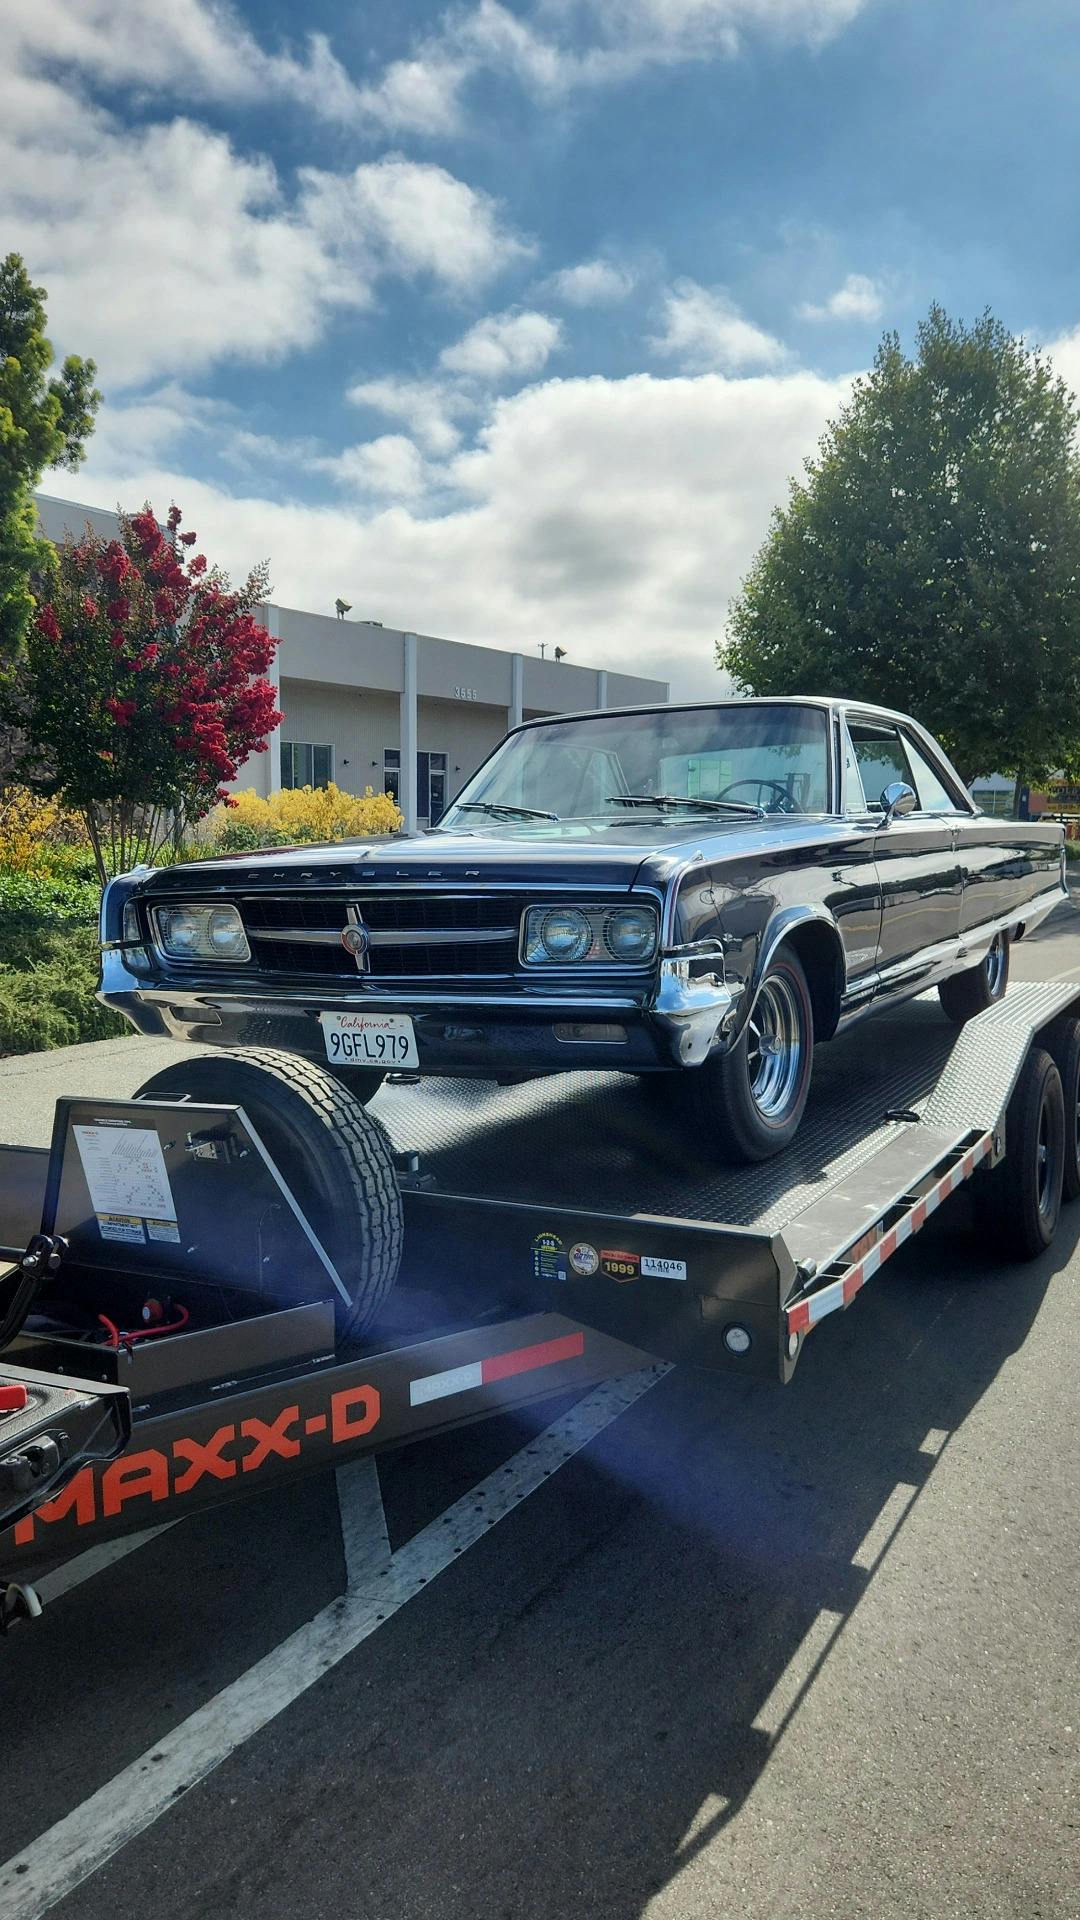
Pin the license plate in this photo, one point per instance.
(369, 1039)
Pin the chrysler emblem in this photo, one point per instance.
(355, 938)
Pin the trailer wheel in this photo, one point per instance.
(1062, 1039)
(1024, 1192)
(977, 988)
(335, 1157)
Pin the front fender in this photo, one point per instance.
(815, 936)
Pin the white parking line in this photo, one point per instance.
(63, 1857)
(95, 1560)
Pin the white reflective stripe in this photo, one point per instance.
(435, 1386)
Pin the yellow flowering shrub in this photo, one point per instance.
(301, 815)
(32, 828)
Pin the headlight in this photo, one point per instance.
(566, 935)
(201, 933)
(630, 934)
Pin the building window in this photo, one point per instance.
(304, 765)
(392, 774)
(431, 771)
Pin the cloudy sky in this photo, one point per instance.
(509, 319)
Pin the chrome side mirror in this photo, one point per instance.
(897, 799)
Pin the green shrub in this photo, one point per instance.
(49, 963)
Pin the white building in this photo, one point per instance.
(373, 706)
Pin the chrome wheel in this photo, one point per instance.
(996, 964)
(774, 1054)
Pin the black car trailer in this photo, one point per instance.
(170, 1324)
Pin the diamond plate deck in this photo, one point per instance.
(608, 1142)
(981, 1070)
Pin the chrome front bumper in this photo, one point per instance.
(685, 1012)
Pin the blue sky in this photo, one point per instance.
(510, 321)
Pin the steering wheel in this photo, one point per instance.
(785, 802)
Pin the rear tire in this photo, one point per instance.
(1062, 1040)
(978, 988)
(750, 1100)
(1023, 1194)
(335, 1157)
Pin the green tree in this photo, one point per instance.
(930, 558)
(43, 423)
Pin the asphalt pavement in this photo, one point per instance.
(789, 1654)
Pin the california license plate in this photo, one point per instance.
(369, 1039)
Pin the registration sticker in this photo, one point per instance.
(584, 1259)
(653, 1268)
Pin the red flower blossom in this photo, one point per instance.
(47, 622)
(175, 517)
(88, 607)
(116, 639)
(118, 610)
(122, 711)
(188, 539)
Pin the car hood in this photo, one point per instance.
(622, 855)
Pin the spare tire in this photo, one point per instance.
(335, 1157)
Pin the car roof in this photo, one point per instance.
(828, 703)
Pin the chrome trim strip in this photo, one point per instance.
(384, 936)
(962, 946)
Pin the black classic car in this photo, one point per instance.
(702, 890)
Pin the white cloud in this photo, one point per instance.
(188, 49)
(576, 44)
(429, 408)
(860, 298)
(408, 217)
(391, 465)
(1065, 354)
(504, 346)
(705, 330)
(621, 513)
(164, 250)
(592, 283)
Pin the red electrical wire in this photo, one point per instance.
(118, 1339)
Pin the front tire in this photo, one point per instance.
(749, 1101)
(978, 988)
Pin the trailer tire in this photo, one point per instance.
(335, 1156)
(1062, 1040)
(978, 988)
(1023, 1193)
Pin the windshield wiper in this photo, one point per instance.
(499, 807)
(683, 800)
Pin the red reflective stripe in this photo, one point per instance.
(852, 1282)
(500, 1366)
(798, 1318)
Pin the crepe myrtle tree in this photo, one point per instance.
(930, 557)
(142, 691)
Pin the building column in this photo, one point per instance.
(601, 689)
(409, 735)
(273, 761)
(516, 709)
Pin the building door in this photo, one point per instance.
(431, 771)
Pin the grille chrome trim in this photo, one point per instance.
(388, 937)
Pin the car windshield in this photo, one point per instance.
(674, 763)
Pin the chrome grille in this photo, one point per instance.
(412, 936)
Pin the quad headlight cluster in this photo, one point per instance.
(561, 936)
(201, 933)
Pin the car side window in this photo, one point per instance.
(854, 797)
(934, 796)
(881, 758)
